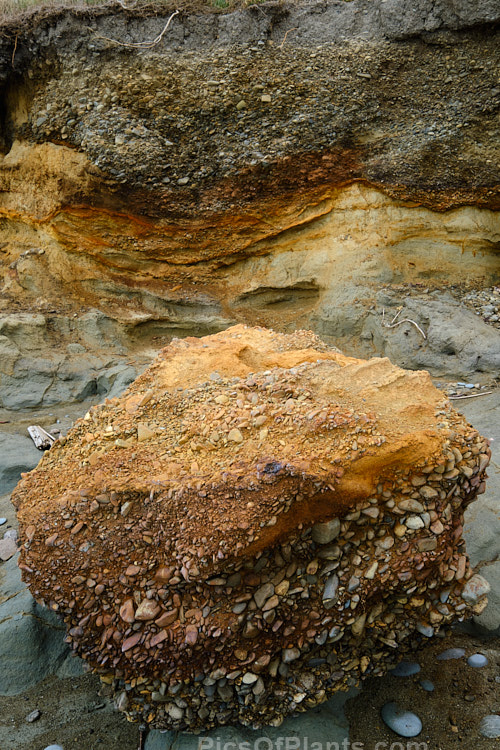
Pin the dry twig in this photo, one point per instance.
(280, 46)
(14, 51)
(392, 324)
(472, 395)
(141, 45)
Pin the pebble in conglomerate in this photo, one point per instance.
(477, 660)
(405, 669)
(2, 521)
(53, 747)
(490, 726)
(404, 723)
(451, 653)
(427, 685)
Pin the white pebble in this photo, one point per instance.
(2, 521)
(404, 723)
(477, 660)
(490, 726)
(414, 522)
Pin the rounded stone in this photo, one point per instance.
(53, 747)
(475, 588)
(404, 723)
(249, 678)
(405, 669)
(427, 685)
(477, 660)
(451, 653)
(2, 521)
(490, 726)
(324, 533)
(425, 629)
(414, 523)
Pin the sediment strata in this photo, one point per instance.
(258, 522)
(231, 175)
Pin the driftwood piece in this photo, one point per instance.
(42, 439)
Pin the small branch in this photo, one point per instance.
(14, 51)
(400, 322)
(140, 45)
(280, 46)
(42, 439)
(472, 395)
(397, 315)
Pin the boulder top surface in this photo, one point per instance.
(206, 446)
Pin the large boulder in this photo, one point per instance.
(258, 522)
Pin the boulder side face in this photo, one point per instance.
(257, 522)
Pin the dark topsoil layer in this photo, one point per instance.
(269, 100)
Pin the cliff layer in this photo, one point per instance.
(278, 165)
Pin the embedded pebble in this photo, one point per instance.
(405, 669)
(53, 747)
(33, 716)
(451, 653)
(324, 533)
(477, 660)
(425, 629)
(331, 586)
(2, 521)
(475, 588)
(427, 685)
(414, 523)
(490, 726)
(404, 723)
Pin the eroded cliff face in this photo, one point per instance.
(281, 165)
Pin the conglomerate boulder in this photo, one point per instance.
(256, 523)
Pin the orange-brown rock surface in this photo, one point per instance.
(258, 522)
